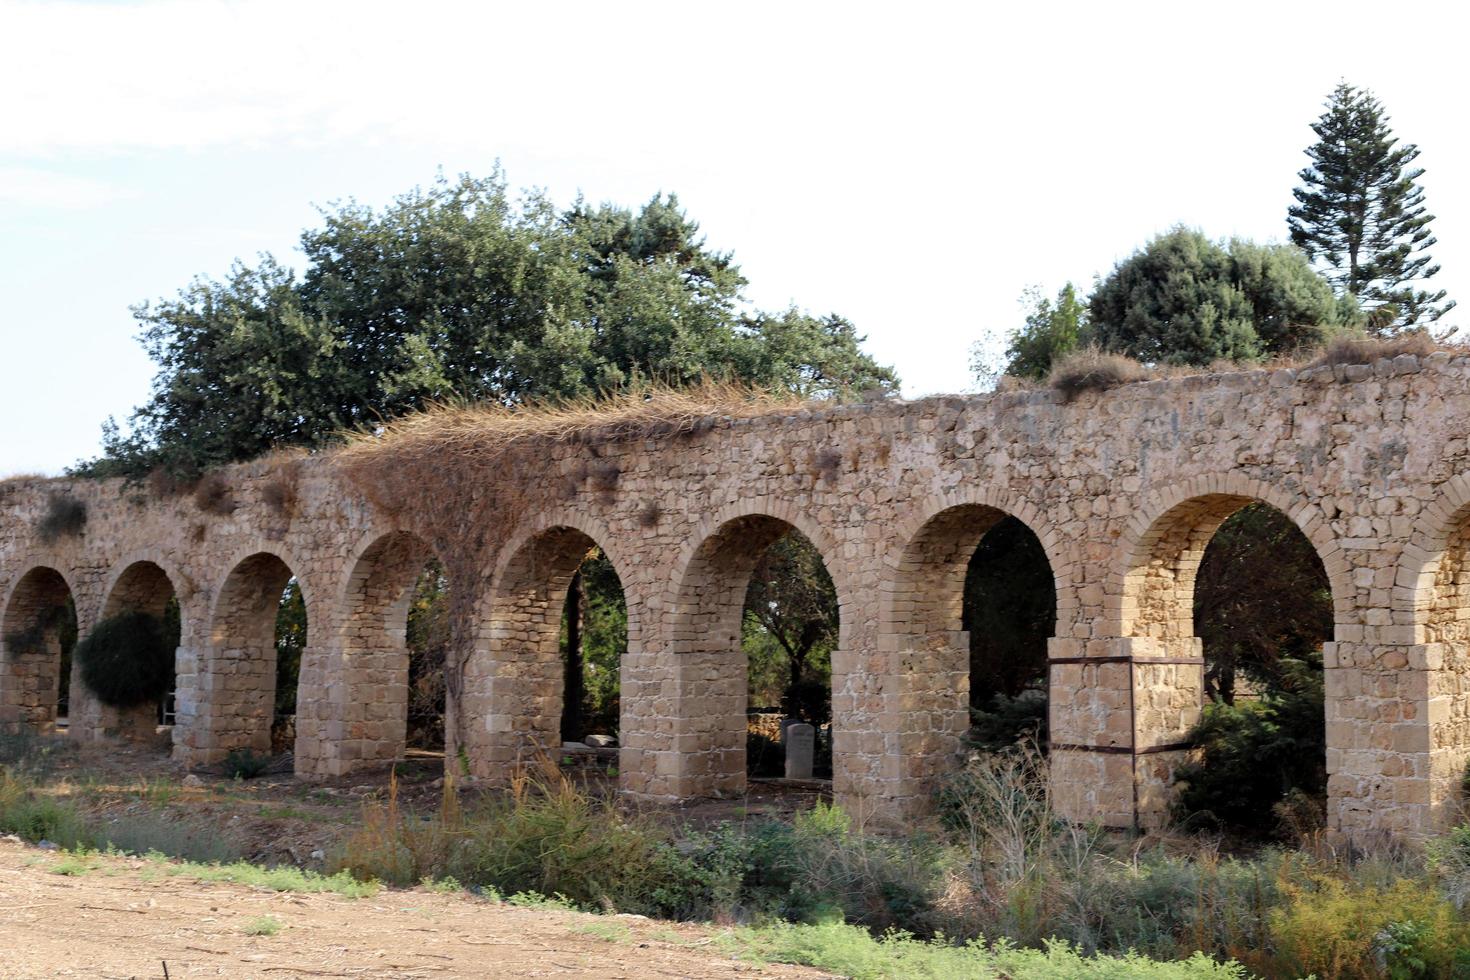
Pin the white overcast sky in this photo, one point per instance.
(913, 166)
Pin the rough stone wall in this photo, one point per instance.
(1122, 488)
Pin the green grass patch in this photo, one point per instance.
(265, 925)
(613, 932)
(854, 952)
(275, 879)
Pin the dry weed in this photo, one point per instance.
(212, 495)
(1366, 350)
(1091, 369)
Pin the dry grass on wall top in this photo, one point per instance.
(469, 474)
(1092, 369)
(1366, 350)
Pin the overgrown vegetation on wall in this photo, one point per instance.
(128, 659)
(65, 516)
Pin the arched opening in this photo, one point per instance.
(290, 643)
(258, 642)
(1010, 612)
(973, 604)
(594, 638)
(788, 634)
(1233, 585)
(40, 629)
(759, 623)
(558, 630)
(395, 635)
(144, 587)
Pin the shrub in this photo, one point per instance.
(127, 659)
(1006, 722)
(1339, 929)
(155, 833)
(246, 763)
(65, 516)
(1091, 369)
(546, 838)
(35, 817)
(1255, 754)
(212, 495)
(280, 491)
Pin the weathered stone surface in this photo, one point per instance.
(801, 750)
(1123, 489)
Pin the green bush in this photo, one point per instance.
(127, 659)
(246, 763)
(856, 953)
(1338, 929)
(547, 838)
(1006, 721)
(149, 833)
(1255, 754)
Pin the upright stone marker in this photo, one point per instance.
(801, 746)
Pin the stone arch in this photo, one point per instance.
(31, 650)
(934, 545)
(515, 551)
(1150, 588)
(1429, 593)
(921, 610)
(138, 583)
(240, 670)
(1137, 699)
(355, 707)
(514, 684)
(145, 581)
(710, 581)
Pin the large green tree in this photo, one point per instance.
(458, 291)
(1361, 212)
(1184, 299)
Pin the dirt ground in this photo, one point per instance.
(117, 921)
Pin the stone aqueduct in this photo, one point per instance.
(1123, 488)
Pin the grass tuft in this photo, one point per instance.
(1365, 350)
(212, 495)
(1094, 370)
(265, 925)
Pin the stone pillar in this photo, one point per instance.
(1121, 712)
(1398, 737)
(647, 763)
(924, 733)
(233, 702)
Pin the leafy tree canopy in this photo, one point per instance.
(1361, 212)
(458, 291)
(1052, 329)
(1184, 299)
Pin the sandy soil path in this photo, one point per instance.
(117, 922)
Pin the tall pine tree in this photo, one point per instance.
(1361, 212)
